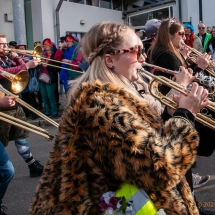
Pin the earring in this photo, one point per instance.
(112, 67)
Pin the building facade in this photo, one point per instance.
(55, 18)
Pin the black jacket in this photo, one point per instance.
(170, 61)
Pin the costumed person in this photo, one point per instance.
(14, 65)
(110, 139)
(48, 86)
(67, 56)
(76, 60)
(168, 43)
(191, 39)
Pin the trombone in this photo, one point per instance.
(202, 117)
(205, 80)
(37, 53)
(192, 57)
(25, 125)
(20, 101)
(19, 81)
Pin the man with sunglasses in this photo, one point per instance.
(203, 35)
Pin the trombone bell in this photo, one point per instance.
(19, 81)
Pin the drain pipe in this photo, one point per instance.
(179, 10)
(200, 11)
(58, 19)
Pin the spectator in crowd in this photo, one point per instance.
(208, 30)
(26, 95)
(203, 35)
(191, 39)
(151, 29)
(64, 77)
(48, 85)
(37, 43)
(211, 45)
(76, 59)
(62, 44)
(12, 44)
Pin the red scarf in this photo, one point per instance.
(190, 42)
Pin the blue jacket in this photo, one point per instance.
(64, 73)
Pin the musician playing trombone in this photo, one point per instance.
(166, 53)
(10, 63)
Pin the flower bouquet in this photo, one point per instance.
(112, 205)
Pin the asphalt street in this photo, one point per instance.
(21, 189)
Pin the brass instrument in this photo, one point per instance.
(20, 101)
(192, 56)
(202, 117)
(25, 125)
(203, 79)
(37, 54)
(19, 81)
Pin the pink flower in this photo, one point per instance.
(113, 202)
(103, 206)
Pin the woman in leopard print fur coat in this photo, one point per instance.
(110, 135)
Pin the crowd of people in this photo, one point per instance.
(115, 142)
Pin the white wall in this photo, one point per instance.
(72, 13)
(208, 12)
(44, 20)
(6, 27)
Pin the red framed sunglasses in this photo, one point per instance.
(136, 49)
(181, 34)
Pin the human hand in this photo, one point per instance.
(7, 101)
(32, 63)
(195, 100)
(65, 61)
(203, 61)
(185, 77)
(13, 55)
(185, 51)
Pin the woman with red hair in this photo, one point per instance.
(49, 84)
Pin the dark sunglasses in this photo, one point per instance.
(181, 33)
(201, 28)
(137, 49)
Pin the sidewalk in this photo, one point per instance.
(41, 122)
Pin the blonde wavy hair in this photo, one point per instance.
(102, 38)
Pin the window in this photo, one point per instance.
(79, 35)
(117, 5)
(77, 1)
(92, 2)
(141, 19)
(105, 4)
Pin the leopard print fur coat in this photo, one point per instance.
(105, 138)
